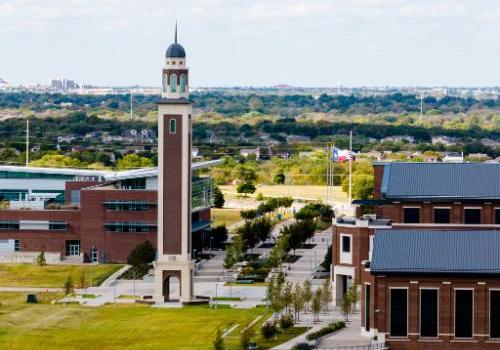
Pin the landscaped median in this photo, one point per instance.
(331, 328)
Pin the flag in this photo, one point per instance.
(342, 155)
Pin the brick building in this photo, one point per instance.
(448, 201)
(85, 215)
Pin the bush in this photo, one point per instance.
(219, 234)
(331, 328)
(218, 198)
(246, 188)
(286, 322)
(248, 214)
(40, 260)
(143, 254)
(268, 330)
(314, 211)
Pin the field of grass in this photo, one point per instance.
(299, 192)
(225, 216)
(45, 326)
(52, 276)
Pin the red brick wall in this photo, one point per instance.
(446, 286)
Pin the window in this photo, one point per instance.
(472, 216)
(17, 245)
(497, 216)
(58, 225)
(463, 313)
(128, 227)
(346, 244)
(173, 83)
(165, 83)
(182, 84)
(9, 225)
(429, 312)
(495, 314)
(399, 312)
(127, 206)
(75, 196)
(442, 215)
(411, 215)
(173, 126)
(133, 184)
(367, 307)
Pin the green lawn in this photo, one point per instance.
(225, 216)
(52, 276)
(45, 326)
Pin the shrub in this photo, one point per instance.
(268, 330)
(40, 260)
(218, 341)
(331, 328)
(245, 188)
(68, 285)
(286, 322)
(259, 197)
(218, 198)
(248, 214)
(219, 234)
(143, 254)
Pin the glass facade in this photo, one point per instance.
(58, 225)
(127, 205)
(201, 192)
(9, 225)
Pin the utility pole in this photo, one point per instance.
(131, 108)
(27, 140)
(421, 104)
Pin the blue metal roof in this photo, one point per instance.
(441, 181)
(428, 251)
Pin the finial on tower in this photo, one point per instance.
(176, 31)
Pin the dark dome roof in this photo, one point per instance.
(176, 51)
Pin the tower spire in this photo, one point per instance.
(176, 32)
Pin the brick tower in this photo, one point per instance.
(174, 179)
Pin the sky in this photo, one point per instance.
(308, 43)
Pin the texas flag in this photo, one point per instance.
(342, 155)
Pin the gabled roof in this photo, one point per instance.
(439, 181)
(434, 252)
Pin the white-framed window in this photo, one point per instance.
(345, 248)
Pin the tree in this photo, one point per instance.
(57, 161)
(248, 214)
(298, 301)
(297, 233)
(82, 281)
(142, 254)
(286, 322)
(307, 293)
(40, 260)
(268, 330)
(327, 293)
(218, 341)
(246, 173)
(346, 306)
(288, 296)
(354, 294)
(279, 178)
(316, 304)
(68, 285)
(218, 198)
(248, 234)
(246, 188)
(133, 161)
(263, 228)
(229, 258)
(327, 261)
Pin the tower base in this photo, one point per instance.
(165, 273)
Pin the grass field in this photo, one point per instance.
(299, 192)
(225, 216)
(52, 276)
(44, 326)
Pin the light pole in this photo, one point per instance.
(210, 251)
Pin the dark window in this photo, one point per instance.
(429, 312)
(173, 126)
(463, 313)
(442, 216)
(124, 227)
(411, 215)
(497, 216)
(9, 225)
(495, 314)
(472, 216)
(17, 245)
(133, 184)
(399, 313)
(58, 225)
(127, 206)
(346, 244)
(367, 308)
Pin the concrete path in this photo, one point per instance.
(349, 336)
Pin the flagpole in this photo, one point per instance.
(350, 168)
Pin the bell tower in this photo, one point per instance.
(174, 179)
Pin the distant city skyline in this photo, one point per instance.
(254, 43)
